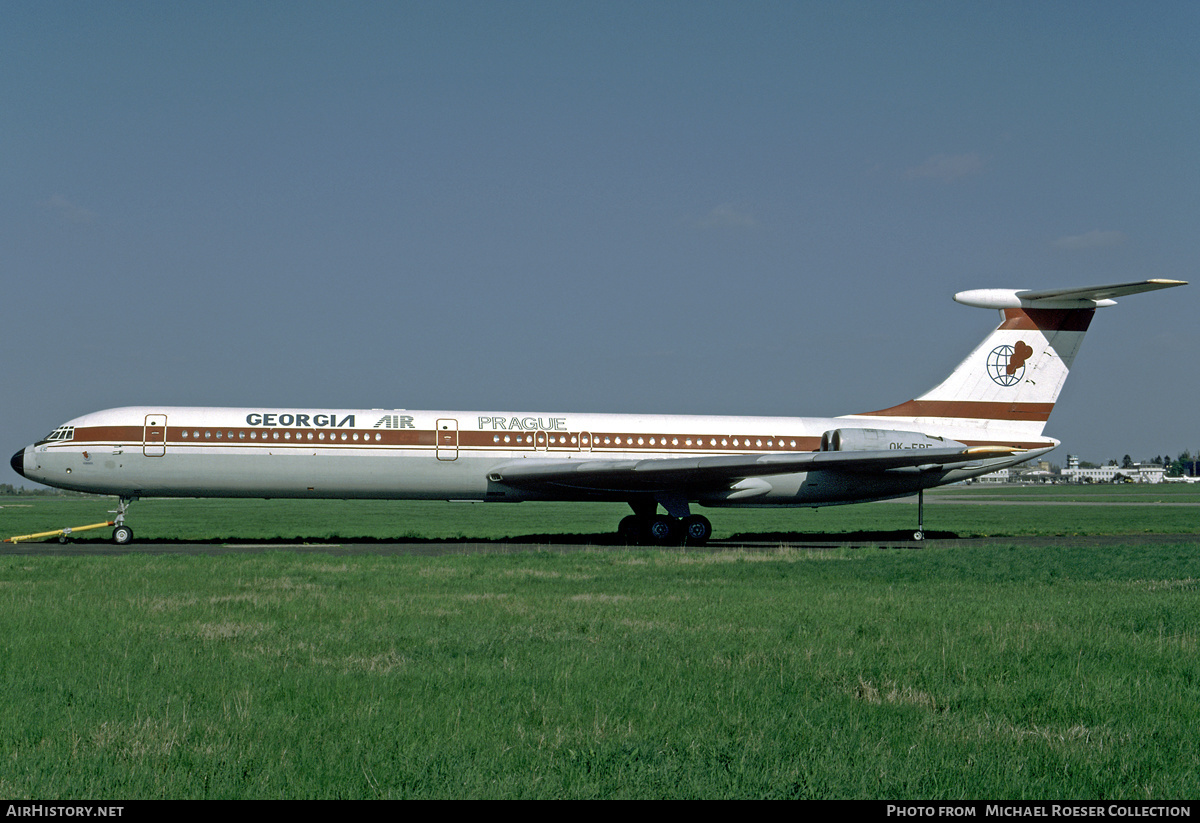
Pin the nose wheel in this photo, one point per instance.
(122, 535)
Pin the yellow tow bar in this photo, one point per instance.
(60, 533)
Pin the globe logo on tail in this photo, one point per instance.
(1006, 364)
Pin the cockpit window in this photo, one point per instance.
(62, 433)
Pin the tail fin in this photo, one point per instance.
(1011, 381)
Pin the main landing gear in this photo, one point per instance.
(122, 534)
(678, 527)
(664, 530)
(919, 534)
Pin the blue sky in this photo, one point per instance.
(683, 207)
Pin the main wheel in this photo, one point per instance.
(696, 530)
(122, 535)
(662, 530)
(630, 530)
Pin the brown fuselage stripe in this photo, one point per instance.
(477, 440)
(968, 410)
(414, 438)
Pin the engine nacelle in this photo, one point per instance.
(847, 440)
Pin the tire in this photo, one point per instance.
(629, 530)
(662, 530)
(696, 530)
(122, 535)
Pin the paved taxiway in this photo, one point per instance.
(807, 542)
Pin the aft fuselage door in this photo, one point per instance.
(447, 439)
(154, 435)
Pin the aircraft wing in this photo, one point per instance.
(700, 473)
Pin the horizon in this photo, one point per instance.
(666, 207)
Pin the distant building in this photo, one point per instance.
(1001, 476)
(1016, 475)
(1137, 473)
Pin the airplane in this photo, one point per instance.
(988, 414)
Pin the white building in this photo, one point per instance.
(1001, 476)
(1138, 473)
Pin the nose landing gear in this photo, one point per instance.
(122, 534)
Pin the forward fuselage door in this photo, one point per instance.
(447, 439)
(154, 435)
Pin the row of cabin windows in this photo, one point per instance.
(274, 435)
(629, 440)
(562, 439)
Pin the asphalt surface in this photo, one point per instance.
(575, 543)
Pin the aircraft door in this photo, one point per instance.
(447, 439)
(154, 435)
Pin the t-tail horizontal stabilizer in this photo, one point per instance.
(1090, 297)
(1005, 389)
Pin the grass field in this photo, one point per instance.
(1020, 510)
(985, 671)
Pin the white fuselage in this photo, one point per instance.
(445, 455)
(987, 414)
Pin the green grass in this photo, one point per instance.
(958, 671)
(991, 673)
(1044, 510)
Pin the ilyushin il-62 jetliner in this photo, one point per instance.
(987, 415)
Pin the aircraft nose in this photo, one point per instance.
(18, 463)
